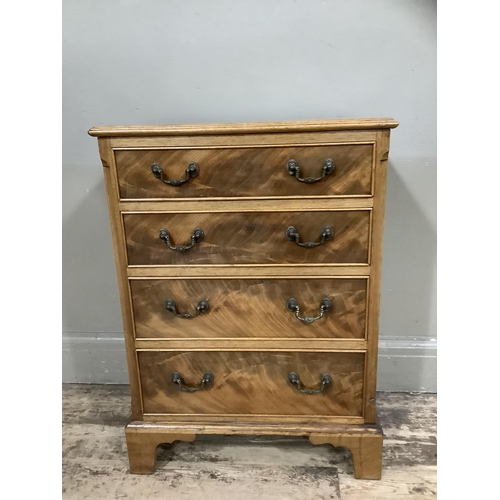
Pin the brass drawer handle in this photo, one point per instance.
(206, 379)
(201, 307)
(292, 167)
(325, 380)
(196, 236)
(292, 234)
(192, 170)
(324, 305)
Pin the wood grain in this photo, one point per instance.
(252, 383)
(141, 447)
(94, 447)
(249, 308)
(238, 128)
(382, 154)
(119, 249)
(366, 450)
(253, 140)
(210, 205)
(244, 199)
(243, 172)
(248, 238)
(252, 344)
(245, 270)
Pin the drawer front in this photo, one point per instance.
(249, 308)
(245, 172)
(248, 238)
(252, 383)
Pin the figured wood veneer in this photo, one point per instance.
(364, 441)
(246, 172)
(252, 383)
(249, 308)
(243, 199)
(248, 238)
(235, 129)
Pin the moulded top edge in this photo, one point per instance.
(243, 128)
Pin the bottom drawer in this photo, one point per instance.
(252, 383)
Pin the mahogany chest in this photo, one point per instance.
(248, 260)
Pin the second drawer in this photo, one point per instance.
(238, 308)
(340, 236)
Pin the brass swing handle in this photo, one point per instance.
(191, 171)
(196, 236)
(324, 305)
(207, 378)
(293, 169)
(292, 234)
(325, 380)
(201, 307)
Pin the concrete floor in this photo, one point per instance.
(95, 464)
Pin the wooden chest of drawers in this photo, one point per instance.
(248, 260)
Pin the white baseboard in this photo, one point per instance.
(407, 364)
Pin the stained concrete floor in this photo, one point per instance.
(95, 462)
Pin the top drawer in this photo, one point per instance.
(262, 172)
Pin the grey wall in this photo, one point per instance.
(193, 61)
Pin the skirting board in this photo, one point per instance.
(404, 364)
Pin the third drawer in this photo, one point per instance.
(337, 236)
(251, 307)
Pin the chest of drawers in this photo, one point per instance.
(248, 260)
